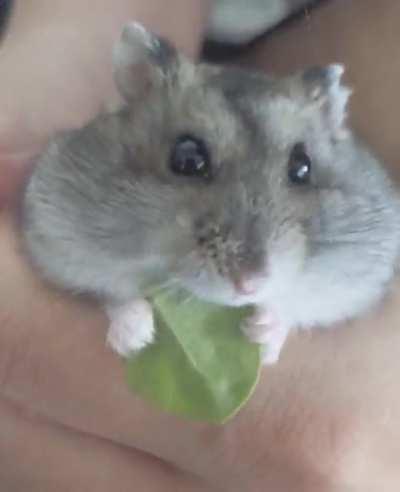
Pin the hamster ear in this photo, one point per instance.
(142, 61)
(324, 88)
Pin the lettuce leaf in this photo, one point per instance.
(200, 366)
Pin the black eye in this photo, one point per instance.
(299, 171)
(190, 157)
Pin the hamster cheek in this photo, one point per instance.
(287, 256)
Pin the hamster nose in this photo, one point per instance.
(245, 285)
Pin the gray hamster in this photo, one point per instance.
(241, 188)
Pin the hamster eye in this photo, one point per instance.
(190, 157)
(299, 171)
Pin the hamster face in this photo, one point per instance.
(242, 159)
(240, 188)
(234, 185)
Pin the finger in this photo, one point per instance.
(38, 456)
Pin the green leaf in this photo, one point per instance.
(200, 367)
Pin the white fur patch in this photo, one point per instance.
(265, 328)
(131, 327)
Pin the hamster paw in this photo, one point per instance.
(131, 327)
(265, 329)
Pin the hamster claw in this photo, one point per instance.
(270, 354)
(265, 329)
(131, 327)
(260, 327)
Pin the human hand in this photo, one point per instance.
(324, 419)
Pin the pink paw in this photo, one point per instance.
(265, 329)
(131, 327)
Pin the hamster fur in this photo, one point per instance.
(190, 184)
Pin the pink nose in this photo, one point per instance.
(245, 285)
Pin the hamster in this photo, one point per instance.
(241, 188)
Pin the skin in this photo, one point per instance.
(326, 418)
